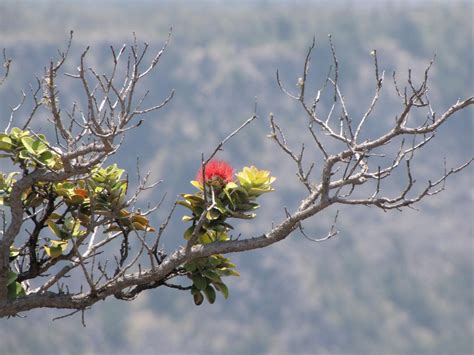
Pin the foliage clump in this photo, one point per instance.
(71, 209)
(218, 199)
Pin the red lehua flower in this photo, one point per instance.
(216, 170)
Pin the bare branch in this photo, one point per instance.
(7, 65)
(330, 234)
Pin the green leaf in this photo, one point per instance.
(199, 281)
(120, 186)
(5, 138)
(251, 177)
(141, 227)
(246, 206)
(15, 290)
(220, 206)
(211, 275)
(76, 230)
(231, 185)
(54, 228)
(54, 216)
(6, 144)
(213, 214)
(140, 219)
(257, 191)
(185, 204)
(69, 223)
(228, 264)
(188, 233)
(190, 266)
(24, 154)
(222, 237)
(215, 259)
(226, 191)
(210, 294)
(11, 277)
(68, 185)
(20, 292)
(206, 238)
(16, 132)
(11, 291)
(193, 199)
(75, 200)
(197, 185)
(14, 252)
(56, 249)
(40, 147)
(46, 158)
(222, 288)
(242, 190)
(6, 147)
(28, 144)
(228, 272)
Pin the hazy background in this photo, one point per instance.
(390, 283)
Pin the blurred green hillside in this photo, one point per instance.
(390, 283)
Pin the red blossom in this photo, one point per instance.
(216, 170)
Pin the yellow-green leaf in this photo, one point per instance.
(54, 228)
(188, 233)
(15, 290)
(6, 144)
(56, 248)
(197, 185)
(213, 214)
(223, 289)
(14, 252)
(28, 144)
(140, 219)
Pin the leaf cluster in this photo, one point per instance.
(211, 207)
(70, 209)
(28, 150)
